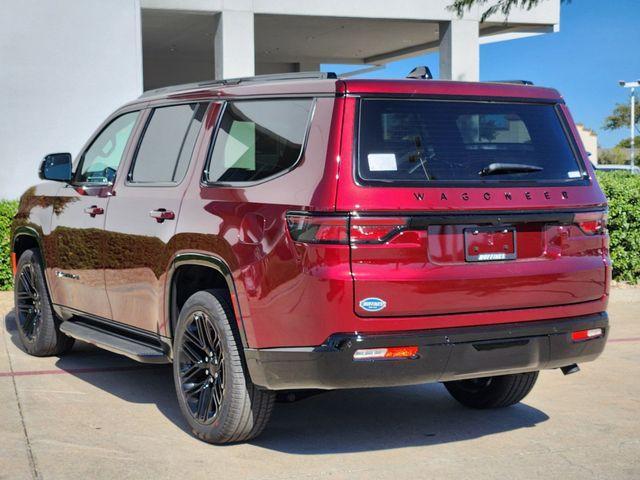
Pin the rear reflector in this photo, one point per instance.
(385, 353)
(582, 335)
(14, 263)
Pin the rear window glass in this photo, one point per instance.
(423, 141)
(258, 139)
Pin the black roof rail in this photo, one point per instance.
(517, 82)
(236, 81)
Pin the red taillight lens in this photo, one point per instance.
(592, 223)
(375, 229)
(307, 228)
(318, 229)
(582, 335)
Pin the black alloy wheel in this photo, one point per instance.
(38, 324)
(215, 393)
(28, 301)
(201, 367)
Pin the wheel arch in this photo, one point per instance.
(25, 238)
(219, 276)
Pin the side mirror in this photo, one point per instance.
(57, 167)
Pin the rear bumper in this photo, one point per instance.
(443, 355)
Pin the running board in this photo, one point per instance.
(114, 342)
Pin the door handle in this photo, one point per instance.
(162, 214)
(94, 210)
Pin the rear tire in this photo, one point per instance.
(492, 392)
(215, 394)
(37, 324)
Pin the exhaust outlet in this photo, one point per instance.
(569, 369)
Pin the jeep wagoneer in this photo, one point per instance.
(306, 232)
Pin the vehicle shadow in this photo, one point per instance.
(344, 421)
(118, 375)
(350, 421)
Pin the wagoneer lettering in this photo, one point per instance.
(211, 227)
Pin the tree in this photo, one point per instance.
(502, 6)
(613, 156)
(620, 117)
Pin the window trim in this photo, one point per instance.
(134, 156)
(204, 180)
(584, 180)
(125, 153)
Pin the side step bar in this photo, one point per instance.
(134, 349)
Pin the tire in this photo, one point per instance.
(37, 324)
(492, 392)
(215, 394)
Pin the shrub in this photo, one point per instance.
(623, 191)
(7, 211)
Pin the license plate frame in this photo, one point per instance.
(490, 244)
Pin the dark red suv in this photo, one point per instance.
(313, 233)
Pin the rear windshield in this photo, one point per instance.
(426, 141)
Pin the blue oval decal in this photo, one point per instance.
(372, 304)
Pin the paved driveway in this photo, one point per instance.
(93, 414)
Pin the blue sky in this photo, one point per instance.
(598, 44)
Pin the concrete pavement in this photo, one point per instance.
(93, 414)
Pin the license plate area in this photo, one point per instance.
(489, 244)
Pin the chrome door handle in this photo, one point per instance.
(94, 210)
(162, 214)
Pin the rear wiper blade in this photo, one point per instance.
(504, 168)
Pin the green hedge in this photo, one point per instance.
(7, 211)
(623, 191)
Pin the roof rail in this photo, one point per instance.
(236, 81)
(517, 82)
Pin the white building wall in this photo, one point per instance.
(64, 66)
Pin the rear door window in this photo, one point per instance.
(258, 139)
(420, 142)
(167, 144)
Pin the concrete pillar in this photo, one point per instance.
(234, 45)
(460, 50)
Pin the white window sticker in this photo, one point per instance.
(382, 162)
(574, 174)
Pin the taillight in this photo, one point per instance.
(375, 229)
(591, 223)
(318, 228)
(306, 228)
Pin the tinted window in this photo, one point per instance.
(258, 139)
(418, 141)
(101, 160)
(167, 144)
